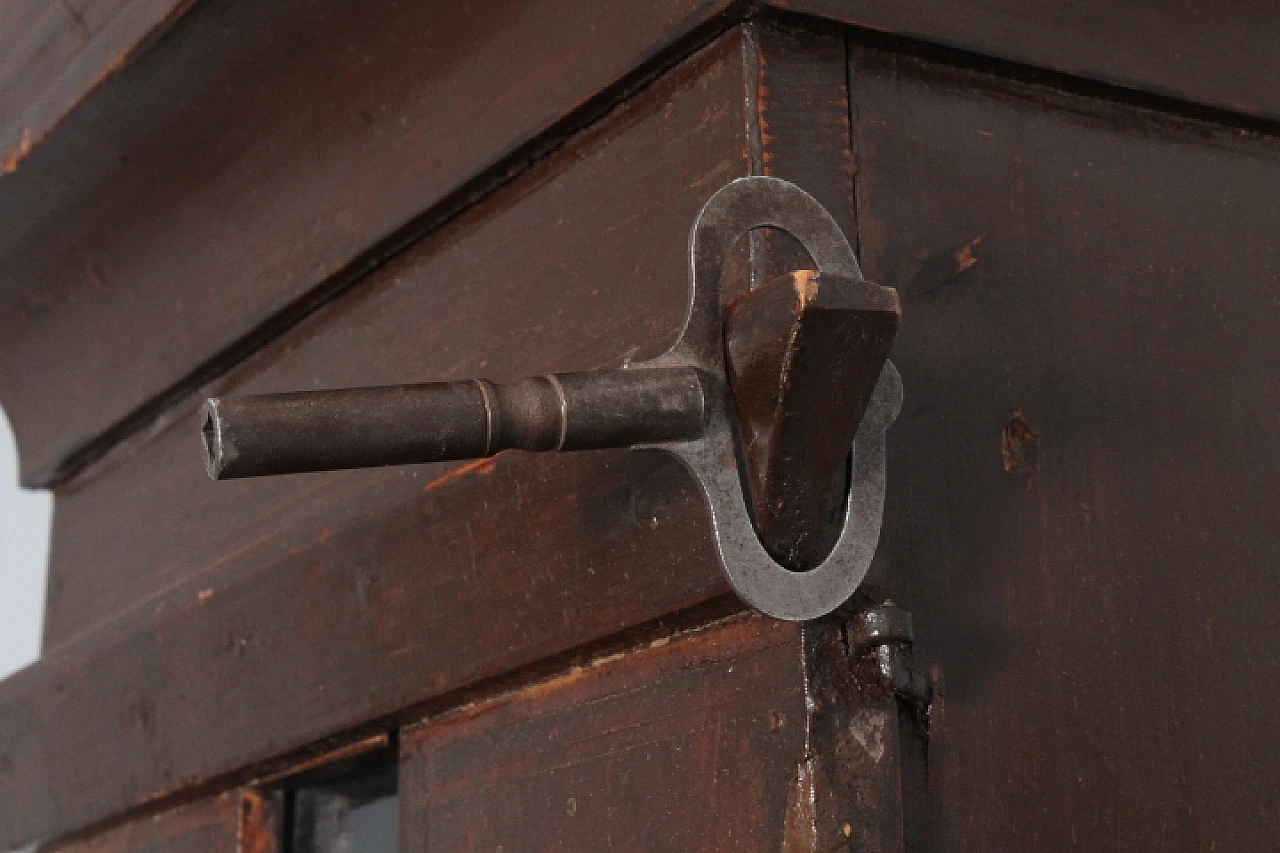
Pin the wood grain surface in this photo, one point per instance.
(721, 739)
(255, 157)
(1083, 481)
(583, 286)
(1209, 52)
(54, 55)
(256, 617)
(240, 821)
(248, 164)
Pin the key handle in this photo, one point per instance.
(735, 210)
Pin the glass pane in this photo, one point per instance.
(355, 813)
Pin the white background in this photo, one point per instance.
(24, 554)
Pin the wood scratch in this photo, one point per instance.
(479, 466)
(965, 258)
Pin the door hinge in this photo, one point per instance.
(887, 634)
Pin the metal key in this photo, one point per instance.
(754, 369)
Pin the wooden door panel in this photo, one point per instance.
(1102, 599)
(746, 735)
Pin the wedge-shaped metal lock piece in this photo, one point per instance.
(760, 400)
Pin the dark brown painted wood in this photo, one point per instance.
(582, 291)
(54, 55)
(1103, 601)
(235, 822)
(255, 152)
(1220, 54)
(802, 135)
(215, 626)
(57, 55)
(572, 267)
(272, 144)
(748, 735)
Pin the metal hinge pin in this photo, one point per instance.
(887, 634)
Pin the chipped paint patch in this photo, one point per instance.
(1018, 443)
(806, 283)
(965, 258)
(867, 728)
(17, 155)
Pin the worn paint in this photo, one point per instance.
(259, 829)
(965, 258)
(1018, 443)
(806, 284)
(480, 467)
(17, 155)
(342, 753)
(867, 728)
(813, 822)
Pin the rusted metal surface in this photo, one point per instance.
(600, 296)
(1081, 602)
(803, 354)
(307, 431)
